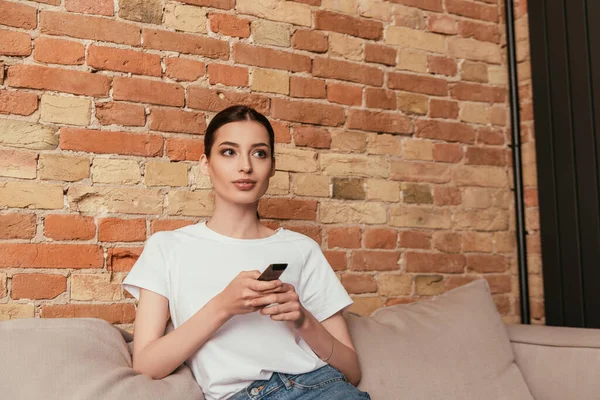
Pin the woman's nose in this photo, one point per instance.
(245, 166)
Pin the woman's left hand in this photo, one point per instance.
(289, 308)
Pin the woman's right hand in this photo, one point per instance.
(237, 297)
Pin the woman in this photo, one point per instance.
(241, 337)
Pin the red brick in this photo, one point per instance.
(282, 131)
(448, 242)
(121, 114)
(18, 15)
(288, 209)
(441, 24)
(148, 91)
(346, 237)
(499, 283)
(305, 39)
(486, 263)
(448, 131)
(317, 138)
(531, 197)
(380, 98)
(88, 27)
(177, 120)
(107, 142)
(446, 196)
(112, 313)
(380, 54)
(379, 121)
(347, 71)
(478, 92)
(180, 149)
(443, 108)
(415, 240)
(69, 227)
(99, 7)
(473, 10)
(186, 43)
(270, 58)
(359, 283)
(20, 103)
(17, 226)
(361, 27)
(350, 95)
(485, 156)
(61, 80)
(217, 100)
(337, 259)
(479, 31)
(372, 260)
(312, 231)
(435, 262)
(490, 136)
(1, 72)
(446, 152)
(37, 286)
(417, 83)
(121, 230)
(182, 69)
(222, 4)
(442, 65)
(307, 87)
(380, 238)
(121, 60)
(227, 75)
(58, 51)
(122, 259)
(168, 224)
(308, 112)
(431, 5)
(229, 25)
(33, 255)
(14, 43)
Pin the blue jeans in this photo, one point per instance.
(324, 383)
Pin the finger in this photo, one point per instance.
(280, 309)
(266, 300)
(286, 287)
(289, 316)
(261, 286)
(254, 274)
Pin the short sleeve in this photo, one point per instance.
(321, 292)
(150, 270)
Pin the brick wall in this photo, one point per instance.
(392, 134)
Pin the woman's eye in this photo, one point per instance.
(261, 153)
(225, 151)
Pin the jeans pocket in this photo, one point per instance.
(318, 378)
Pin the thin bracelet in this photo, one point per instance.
(330, 354)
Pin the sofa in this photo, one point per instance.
(453, 346)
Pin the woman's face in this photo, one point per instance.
(240, 151)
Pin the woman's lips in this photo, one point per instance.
(244, 185)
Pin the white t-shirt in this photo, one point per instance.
(191, 265)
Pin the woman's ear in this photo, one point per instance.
(272, 167)
(204, 164)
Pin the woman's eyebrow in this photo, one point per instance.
(237, 145)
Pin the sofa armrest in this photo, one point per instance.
(557, 362)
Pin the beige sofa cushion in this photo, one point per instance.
(454, 346)
(78, 358)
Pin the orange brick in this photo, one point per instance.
(179, 149)
(229, 25)
(148, 91)
(17, 226)
(470, 9)
(417, 84)
(337, 259)
(491, 136)
(61, 80)
(378, 121)
(372, 260)
(177, 120)
(346, 237)
(282, 131)
(88, 27)
(415, 240)
(431, 5)
(186, 43)
(222, 4)
(435, 262)
(122, 259)
(37, 286)
(112, 313)
(100, 7)
(270, 58)
(446, 152)
(448, 242)
(277, 208)
(350, 95)
(479, 31)
(108, 142)
(478, 92)
(58, 51)
(110, 58)
(441, 24)
(380, 98)
(121, 230)
(380, 54)
(347, 71)
(357, 284)
(14, 43)
(486, 156)
(20, 103)
(217, 100)
(307, 112)
(443, 109)
(361, 27)
(486, 263)
(30, 255)
(69, 227)
(307, 87)
(442, 65)
(168, 224)
(448, 131)
(380, 238)
(18, 15)
(51, 2)
(183, 69)
(227, 75)
(314, 137)
(312, 231)
(121, 114)
(304, 39)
